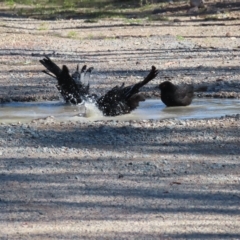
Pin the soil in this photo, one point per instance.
(150, 179)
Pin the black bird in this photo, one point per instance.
(117, 101)
(122, 100)
(173, 95)
(72, 88)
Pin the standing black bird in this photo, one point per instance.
(72, 88)
(173, 95)
(122, 100)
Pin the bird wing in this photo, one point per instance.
(133, 89)
(184, 94)
(50, 66)
(66, 85)
(70, 86)
(76, 75)
(85, 79)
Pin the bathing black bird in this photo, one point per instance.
(122, 100)
(117, 101)
(73, 88)
(173, 95)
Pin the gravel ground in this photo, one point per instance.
(161, 179)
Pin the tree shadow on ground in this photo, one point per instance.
(161, 139)
(24, 87)
(50, 192)
(123, 10)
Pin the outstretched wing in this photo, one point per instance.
(71, 87)
(82, 79)
(133, 89)
(50, 66)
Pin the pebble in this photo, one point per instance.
(10, 131)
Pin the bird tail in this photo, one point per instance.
(50, 66)
(202, 88)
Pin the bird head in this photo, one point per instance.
(166, 86)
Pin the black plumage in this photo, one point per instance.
(122, 100)
(82, 79)
(72, 88)
(75, 89)
(173, 95)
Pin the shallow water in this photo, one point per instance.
(27, 111)
(150, 109)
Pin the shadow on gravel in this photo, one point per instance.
(160, 140)
(24, 88)
(197, 235)
(179, 50)
(49, 191)
(138, 235)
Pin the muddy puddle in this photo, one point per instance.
(151, 109)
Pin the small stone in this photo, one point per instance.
(216, 138)
(182, 123)
(176, 20)
(10, 131)
(120, 176)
